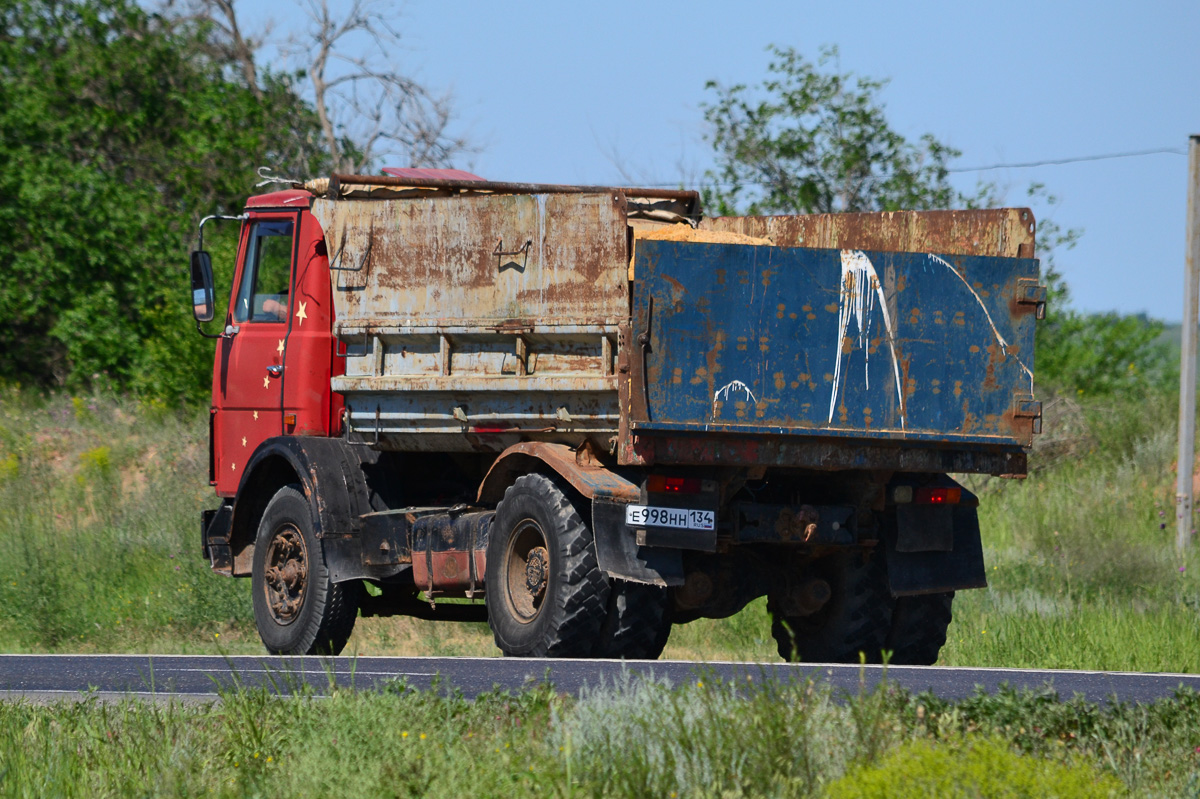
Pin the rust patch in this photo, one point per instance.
(1006, 232)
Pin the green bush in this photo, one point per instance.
(975, 768)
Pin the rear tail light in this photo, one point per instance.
(661, 484)
(940, 495)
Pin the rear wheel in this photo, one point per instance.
(854, 621)
(918, 630)
(638, 622)
(546, 595)
(298, 610)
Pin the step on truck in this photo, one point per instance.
(605, 414)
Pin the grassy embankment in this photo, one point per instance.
(99, 505)
(704, 739)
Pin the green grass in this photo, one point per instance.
(632, 739)
(1083, 569)
(99, 549)
(99, 533)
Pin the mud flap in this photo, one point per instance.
(619, 555)
(214, 537)
(937, 570)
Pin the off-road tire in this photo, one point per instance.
(325, 611)
(919, 628)
(854, 622)
(638, 623)
(564, 620)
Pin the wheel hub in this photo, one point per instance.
(535, 571)
(286, 574)
(526, 571)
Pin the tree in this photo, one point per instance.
(810, 141)
(1093, 354)
(367, 107)
(118, 130)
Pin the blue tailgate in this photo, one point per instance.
(877, 345)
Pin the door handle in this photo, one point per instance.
(274, 371)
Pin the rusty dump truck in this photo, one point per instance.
(605, 414)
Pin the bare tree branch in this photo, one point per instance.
(367, 108)
(231, 44)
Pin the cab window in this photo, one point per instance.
(266, 274)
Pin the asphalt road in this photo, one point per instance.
(198, 678)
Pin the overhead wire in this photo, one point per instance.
(1072, 159)
(1013, 165)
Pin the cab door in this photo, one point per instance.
(309, 355)
(250, 366)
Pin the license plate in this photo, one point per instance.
(681, 518)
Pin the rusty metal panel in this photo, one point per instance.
(476, 260)
(1003, 232)
(721, 448)
(473, 322)
(849, 345)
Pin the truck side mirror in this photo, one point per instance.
(202, 286)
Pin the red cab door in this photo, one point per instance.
(248, 392)
(308, 407)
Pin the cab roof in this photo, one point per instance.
(288, 198)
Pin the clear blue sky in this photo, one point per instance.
(563, 92)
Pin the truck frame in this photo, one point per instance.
(605, 414)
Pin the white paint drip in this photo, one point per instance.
(722, 394)
(999, 338)
(860, 288)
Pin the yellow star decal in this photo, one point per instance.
(243, 441)
(256, 416)
(279, 349)
(301, 315)
(266, 382)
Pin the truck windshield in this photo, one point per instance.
(266, 274)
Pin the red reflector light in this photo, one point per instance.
(938, 496)
(661, 484)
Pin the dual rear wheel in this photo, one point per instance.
(547, 596)
(862, 619)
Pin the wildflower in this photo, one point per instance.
(422, 736)
(270, 759)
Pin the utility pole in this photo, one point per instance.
(1187, 364)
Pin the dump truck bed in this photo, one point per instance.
(475, 321)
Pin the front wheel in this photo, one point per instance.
(546, 595)
(298, 610)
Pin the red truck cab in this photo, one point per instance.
(273, 364)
